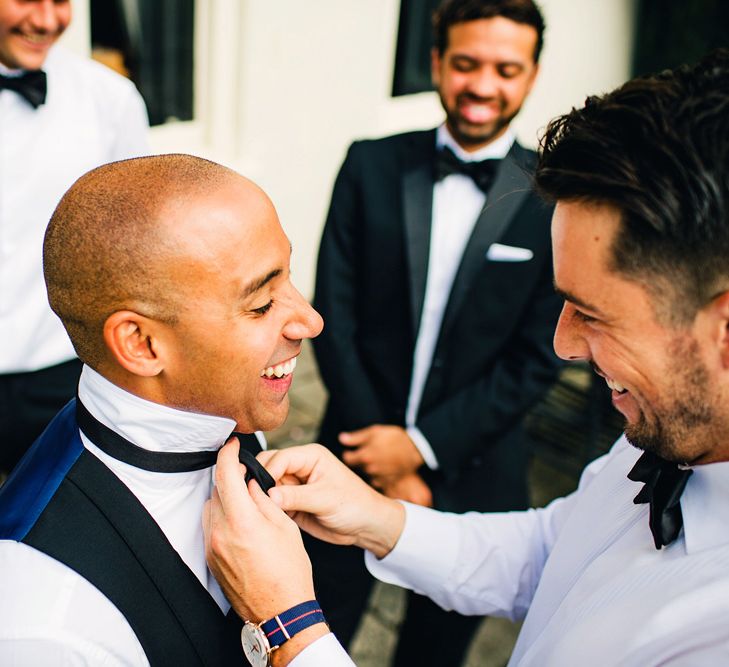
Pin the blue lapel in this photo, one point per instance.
(36, 478)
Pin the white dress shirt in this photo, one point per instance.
(91, 116)
(48, 613)
(583, 571)
(457, 203)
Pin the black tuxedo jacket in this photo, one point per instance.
(493, 358)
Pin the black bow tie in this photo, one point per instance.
(482, 173)
(664, 484)
(120, 448)
(31, 85)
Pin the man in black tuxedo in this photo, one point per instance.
(435, 283)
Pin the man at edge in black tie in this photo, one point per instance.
(434, 278)
(61, 115)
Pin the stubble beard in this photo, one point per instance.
(682, 426)
(469, 134)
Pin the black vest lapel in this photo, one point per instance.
(511, 186)
(96, 526)
(417, 184)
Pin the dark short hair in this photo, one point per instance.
(656, 149)
(451, 12)
(107, 248)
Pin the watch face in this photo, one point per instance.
(255, 644)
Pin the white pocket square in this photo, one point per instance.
(498, 252)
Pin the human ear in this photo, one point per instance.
(133, 342)
(720, 308)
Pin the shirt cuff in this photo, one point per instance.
(324, 651)
(423, 446)
(415, 562)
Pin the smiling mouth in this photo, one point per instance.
(478, 113)
(39, 38)
(280, 370)
(615, 386)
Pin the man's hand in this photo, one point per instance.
(253, 549)
(330, 502)
(381, 451)
(411, 488)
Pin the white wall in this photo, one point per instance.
(588, 47)
(78, 35)
(284, 86)
(325, 80)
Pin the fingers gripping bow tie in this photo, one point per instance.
(664, 484)
(483, 173)
(254, 470)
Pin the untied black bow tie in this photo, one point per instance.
(31, 85)
(664, 484)
(483, 173)
(118, 447)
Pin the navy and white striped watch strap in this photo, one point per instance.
(285, 625)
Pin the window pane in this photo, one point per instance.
(414, 39)
(669, 34)
(151, 43)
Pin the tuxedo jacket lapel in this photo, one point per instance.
(417, 185)
(507, 194)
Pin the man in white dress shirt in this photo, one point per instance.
(60, 115)
(171, 276)
(631, 569)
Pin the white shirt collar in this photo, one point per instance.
(496, 150)
(150, 425)
(704, 506)
(6, 71)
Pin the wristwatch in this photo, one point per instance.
(261, 639)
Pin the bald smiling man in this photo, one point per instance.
(171, 277)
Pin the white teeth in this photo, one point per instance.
(38, 39)
(615, 386)
(279, 370)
